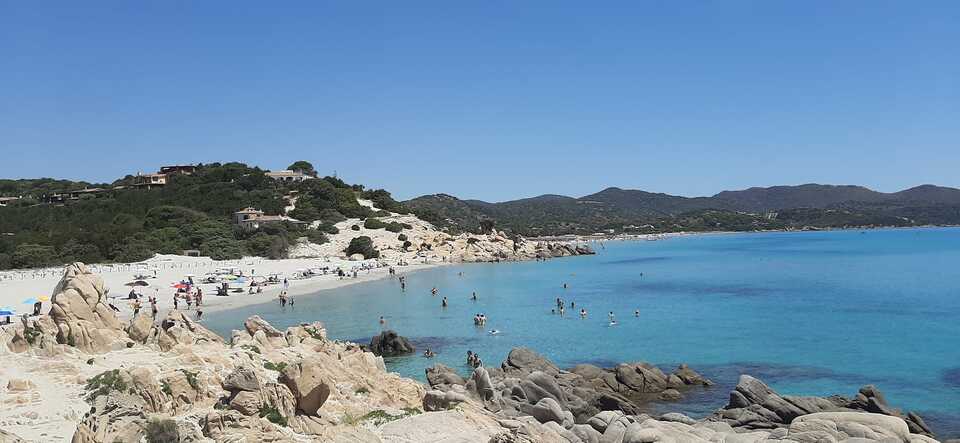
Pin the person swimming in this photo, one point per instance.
(434, 291)
(583, 313)
(382, 321)
(494, 332)
(428, 353)
(636, 313)
(474, 296)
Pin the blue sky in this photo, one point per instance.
(491, 100)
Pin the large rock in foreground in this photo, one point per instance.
(389, 344)
(81, 313)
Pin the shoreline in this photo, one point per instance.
(172, 269)
(574, 238)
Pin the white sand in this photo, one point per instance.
(170, 269)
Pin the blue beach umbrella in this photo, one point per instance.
(30, 301)
(5, 311)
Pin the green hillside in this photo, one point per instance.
(120, 222)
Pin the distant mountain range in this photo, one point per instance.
(810, 206)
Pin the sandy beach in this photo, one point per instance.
(17, 287)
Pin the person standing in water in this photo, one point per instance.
(474, 296)
(444, 303)
(383, 321)
(611, 317)
(636, 313)
(434, 291)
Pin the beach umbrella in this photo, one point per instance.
(7, 312)
(30, 301)
(137, 283)
(44, 298)
(181, 286)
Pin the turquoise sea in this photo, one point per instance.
(812, 313)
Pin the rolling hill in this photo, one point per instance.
(809, 206)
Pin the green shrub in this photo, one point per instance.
(362, 245)
(162, 431)
(165, 387)
(355, 227)
(394, 227)
(279, 367)
(31, 334)
(329, 228)
(273, 415)
(316, 334)
(316, 237)
(191, 379)
(104, 383)
(402, 237)
(373, 223)
(407, 244)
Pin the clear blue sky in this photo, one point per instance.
(487, 99)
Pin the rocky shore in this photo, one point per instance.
(80, 374)
(603, 405)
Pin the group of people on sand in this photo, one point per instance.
(474, 360)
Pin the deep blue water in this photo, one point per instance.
(813, 313)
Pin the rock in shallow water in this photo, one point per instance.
(389, 344)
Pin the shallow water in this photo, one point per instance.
(814, 313)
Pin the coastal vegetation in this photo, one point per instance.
(52, 223)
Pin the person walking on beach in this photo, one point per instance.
(199, 296)
(136, 307)
(153, 307)
(199, 313)
(286, 284)
(189, 299)
(176, 302)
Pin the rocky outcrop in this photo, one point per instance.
(389, 344)
(754, 405)
(537, 401)
(81, 313)
(526, 383)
